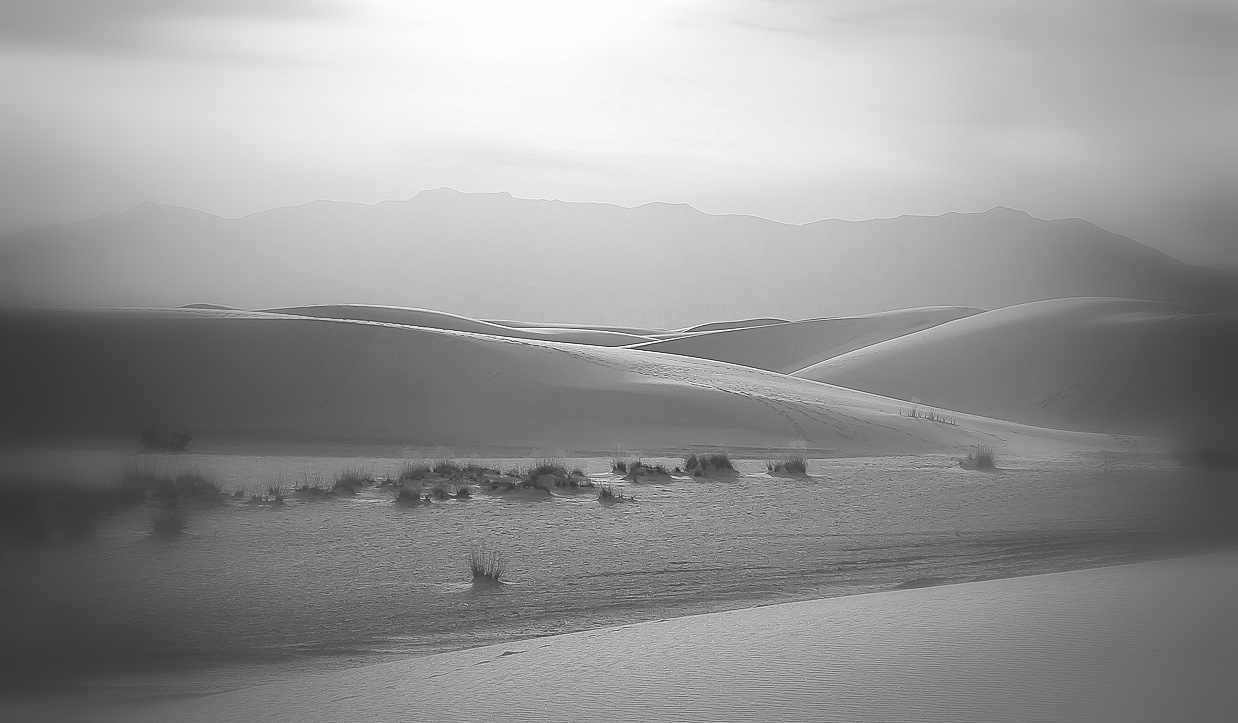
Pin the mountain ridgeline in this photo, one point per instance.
(658, 265)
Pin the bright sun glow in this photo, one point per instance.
(528, 31)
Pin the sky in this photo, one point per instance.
(1121, 112)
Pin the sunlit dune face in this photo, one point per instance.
(527, 31)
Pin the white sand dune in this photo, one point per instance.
(258, 375)
(737, 324)
(1148, 642)
(634, 330)
(453, 322)
(787, 347)
(1091, 364)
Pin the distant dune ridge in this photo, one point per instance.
(787, 347)
(655, 266)
(440, 320)
(232, 374)
(1098, 364)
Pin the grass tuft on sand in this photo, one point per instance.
(168, 523)
(704, 465)
(350, 481)
(794, 464)
(487, 563)
(979, 457)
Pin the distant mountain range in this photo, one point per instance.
(656, 266)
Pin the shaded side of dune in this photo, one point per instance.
(269, 376)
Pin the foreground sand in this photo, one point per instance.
(1151, 642)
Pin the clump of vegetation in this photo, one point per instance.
(405, 496)
(978, 457)
(487, 563)
(275, 494)
(639, 468)
(931, 414)
(794, 464)
(463, 493)
(536, 476)
(477, 472)
(619, 466)
(439, 493)
(447, 469)
(607, 493)
(168, 523)
(547, 467)
(350, 481)
(414, 472)
(704, 465)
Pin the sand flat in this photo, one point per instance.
(1146, 642)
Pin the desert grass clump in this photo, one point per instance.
(607, 493)
(275, 494)
(931, 414)
(639, 468)
(619, 466)
(414, 472)
(547, 467)
(464, 493)
(979, 457)
(703, 465)
(794, 464)
(350, 481)
(168, 523)
(487, 563)
(448, 469)
(405, 496)
(194, 485)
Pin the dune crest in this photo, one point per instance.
(256, 375)
(1094, 364)
(789, 346)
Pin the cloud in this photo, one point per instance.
(131, 26)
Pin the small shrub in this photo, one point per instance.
(168, 523)
(463, 493)
(350, 481)
(195, 485)
(447, 469)
(619, 466)
(699, 466)
(546, 466)
(487, 564)
(790, 465)
(405, 496)
(607, 493)
(979, 457)
(414, 472)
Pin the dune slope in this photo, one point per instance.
(454, 322)
(260, 375)
(1094, 364)
(1074, 646)
(790, 346)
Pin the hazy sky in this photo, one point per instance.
(1119, 111)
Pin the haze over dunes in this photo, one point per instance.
(1089, 364)
(790, 346)
(658, 265)
(454, 322)
(235, 374)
